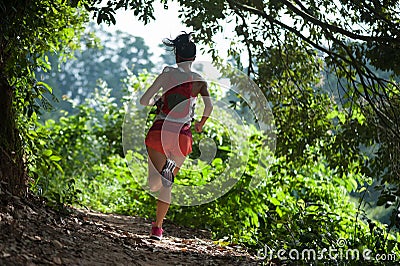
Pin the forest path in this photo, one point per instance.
(34, 234)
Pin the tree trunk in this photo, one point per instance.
(12, 167)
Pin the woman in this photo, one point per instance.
(169, 140)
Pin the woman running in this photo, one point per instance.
(169, 139)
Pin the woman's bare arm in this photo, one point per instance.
(148, 96)
(208, 107)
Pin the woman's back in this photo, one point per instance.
(173, 76)
(180, 89)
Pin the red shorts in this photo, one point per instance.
(178, 143)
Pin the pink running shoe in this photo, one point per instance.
(156, 232)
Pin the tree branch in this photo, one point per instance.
(250, 69)
(333, 28)
(290, 29)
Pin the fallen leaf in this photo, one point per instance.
(57, 260)
(57, 244)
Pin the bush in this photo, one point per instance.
(298, 205)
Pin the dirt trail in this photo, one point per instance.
(34, 234)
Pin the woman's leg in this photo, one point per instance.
(157, 161)
(165, 193)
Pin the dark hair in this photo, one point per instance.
(183, 46)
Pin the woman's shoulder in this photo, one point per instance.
(173, 70)
(197, 76)
(169, 69)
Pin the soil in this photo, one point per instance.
(32, 233)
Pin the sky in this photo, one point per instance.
(166, 25)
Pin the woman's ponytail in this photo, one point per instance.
(183, 46)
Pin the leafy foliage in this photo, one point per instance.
(50, 26)
(301, 203)
(29, 31)
(324, 151)
(109, 60)
(286, 41)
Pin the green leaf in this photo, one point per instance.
(55, 158)
(138, 156)
(45, 85)
(274, 201)
(47, 153)
(224, 148)
(342, 118)
(279, 211)
(332, 114)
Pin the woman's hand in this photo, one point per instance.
(158, 103)
(198, 126)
